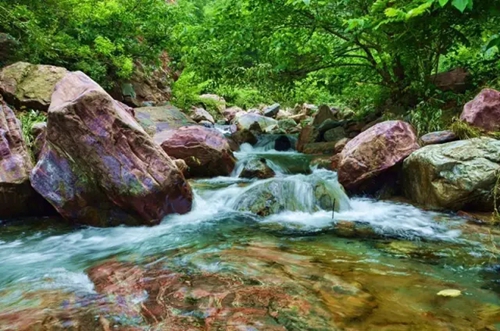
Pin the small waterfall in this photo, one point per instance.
(281, 162)
(305, 193)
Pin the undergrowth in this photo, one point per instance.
(28, 119)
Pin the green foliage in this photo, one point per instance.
(104, 38)
(28, 119)
(426, 118)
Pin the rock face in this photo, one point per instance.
(375, 151)
(99, 167)
(17, 197)
(484, 111)
(257, 169)
(146, 86)
(206, 151)
(158, 119)
(456, 175)
(27, 85)
(438, 137)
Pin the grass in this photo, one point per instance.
(28, 119)
(464, 130)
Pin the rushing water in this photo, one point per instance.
(368, 265)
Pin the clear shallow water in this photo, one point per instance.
(374, 266)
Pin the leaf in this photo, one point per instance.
(450, 293)
(443, 3)
(461, 4)
(493, 42)
(307, 2)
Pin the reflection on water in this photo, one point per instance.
(374, 265)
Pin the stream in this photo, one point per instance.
(367, 265)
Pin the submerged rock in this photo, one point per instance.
(158, 119)
(99, 167)
(296, 193)
(257, 169)
(206, 151)
(375, 151)
(484, 111)
(17, 197)
(27, 85)
(456, 175)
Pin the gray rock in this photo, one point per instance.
(272, 110)
(456, 175)
(335, 134)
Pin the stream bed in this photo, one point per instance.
(367, 265)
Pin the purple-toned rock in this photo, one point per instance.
(206, 151)
(484, 111)
(375, 151)
(99, 167)
(39, 133)
(17, 197)
(438, 137)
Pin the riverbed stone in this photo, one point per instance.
(271, 111)
(484, 111)
(200, 114)
(158, 119)
(335, 134)
(206, 151)
(456, 175)
(28, 85)
(324, 113)
(257, 169)
(375, 151)
(246, 121)
(438, 137)
(99, 167)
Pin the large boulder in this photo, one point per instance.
(206, 151)
(246, 121)
(484, 111)
(158, 119)
(17, 197)
(456, 175)
(27, 85)
(375, 151)
(99, 167)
